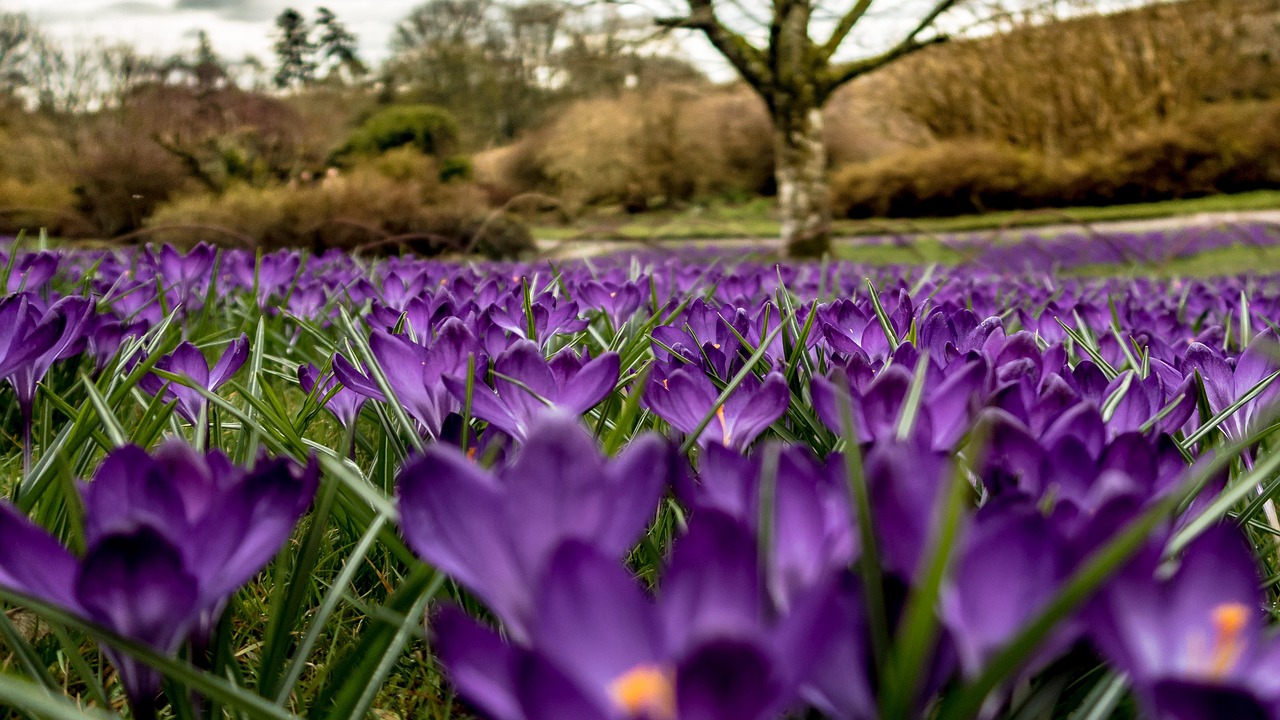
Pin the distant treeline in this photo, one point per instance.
(482, 105)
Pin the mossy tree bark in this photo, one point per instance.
(795, 75)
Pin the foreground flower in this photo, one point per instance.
(493, 531)
(598, 648)
(1193, 645)
(169, 538)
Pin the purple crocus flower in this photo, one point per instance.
(416, 372)
(188, 361)
(23, 338)
(812, 536)
(186, 276)
(32, 342)
(33, 271)
(1224, 384)
(493, 531)
(1008, 568)
(599, 647)
(618, 301)
(1193, 645)
(685, 397)
(106, 337)
(551, 316)
(526, 385)
(344, 403)
(169, 538)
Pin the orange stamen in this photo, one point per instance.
(645, 690)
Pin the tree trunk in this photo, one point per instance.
(804, 207)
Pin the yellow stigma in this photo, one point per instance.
(647, 690)
(1229, 620)
(720, 416)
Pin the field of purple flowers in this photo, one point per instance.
(633, 488)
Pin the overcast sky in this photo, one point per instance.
(237, 27)
(243, 27)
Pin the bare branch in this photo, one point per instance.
(842, 73)
(843, 28)
(746, 58)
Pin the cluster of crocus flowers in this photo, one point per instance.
(541, 542)
(169, 537)
(740, 626)
(1057, 409)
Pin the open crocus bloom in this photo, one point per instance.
(526, 385)
(599, 647)
(169, 538)
(685, 396)
(493, 531)
(1194, 645)
(187, 360)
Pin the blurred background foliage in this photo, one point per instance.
(488, 113)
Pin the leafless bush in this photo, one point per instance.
(1062, 81)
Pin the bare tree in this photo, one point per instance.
(18, 36)
(796, 73)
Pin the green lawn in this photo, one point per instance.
(755, 219)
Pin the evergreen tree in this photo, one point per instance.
(338, 47)
(295, 53)
(208, 69)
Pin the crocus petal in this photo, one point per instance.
(451, 516)
(713, 586)
(33, 561)
(250, 524)
(591, 384)
(480, 665)
(233, 357)
(639, 478)
(592, 618)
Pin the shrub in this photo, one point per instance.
(1058, 80)
(40, 204)
(657, 147)
(122, 177)
(430, 129)
(360, 209)
(946, 178)
(1228, 147)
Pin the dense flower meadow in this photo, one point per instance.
(638, 487)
